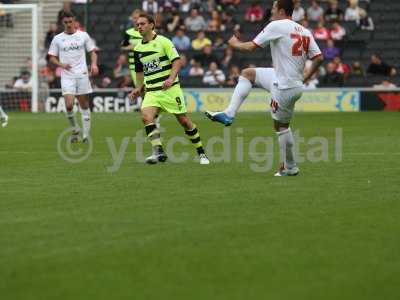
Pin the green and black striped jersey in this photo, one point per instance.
(154, 58)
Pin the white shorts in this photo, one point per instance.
(282, 100)
(76, 86)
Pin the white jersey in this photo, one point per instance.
(291, 46)
(71, 49)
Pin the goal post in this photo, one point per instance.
(19, 43)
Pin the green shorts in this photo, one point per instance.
(170, 100)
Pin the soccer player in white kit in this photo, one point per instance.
(291, 45)
(3, 117)
(68, 50)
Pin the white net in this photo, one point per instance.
(19, 55)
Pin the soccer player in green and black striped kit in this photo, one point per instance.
(131, 39)
(157, 65)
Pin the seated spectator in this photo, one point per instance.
(352, 12)
(167, 6)
(207, 56)
(228, 4)
(174, 22)
(229, 23)
(332, 78)
(254, 13)
(233, 77)
(229, 59)
(337, 32)
(320, 32)
(305, 24)
(219, 43)
(298, 13)
(24, 83)
(330, 51)
(125, 82)
(214, 24)
(150, 6)
(50, 34)
(10, 84)
(185, 67)
(196, 69)
(195, 22)
(181, 41)
(333, 13)
(214, 76)
(378, 67)
(159, 25)
(122, 68)
(357, 69)
(104, 83)
(365, 22)
(315, 11)
(201, 41)
(341, 67)
(385, 85)
(267, 15)
(185, 6)
(206, 6)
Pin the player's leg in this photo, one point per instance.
(261, 77)
(149, 116)
(193, 134)
(84, 88)
(282, 106)
(85, 115)
(3, 117)
(68, 87)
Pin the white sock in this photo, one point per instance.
(286, 143)
(2, 113)
(72, 119)
(85, 121)
(240, 93)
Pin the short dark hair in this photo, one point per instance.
(148, 17)
(67, 14)
(287, 6)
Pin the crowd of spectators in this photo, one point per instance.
(200, 28)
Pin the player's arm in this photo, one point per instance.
(139, 88)
(54, 55)
(94, 69)
(54, 60)
(176, 67)
(316, 63)
(175, 60)
(235, 43)
(314, 53)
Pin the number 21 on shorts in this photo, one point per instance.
(301, 43)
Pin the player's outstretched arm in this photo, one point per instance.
(317, 61)
(235, 43)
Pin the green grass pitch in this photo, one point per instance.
(186, 231)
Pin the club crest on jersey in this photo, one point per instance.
(152, 66)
